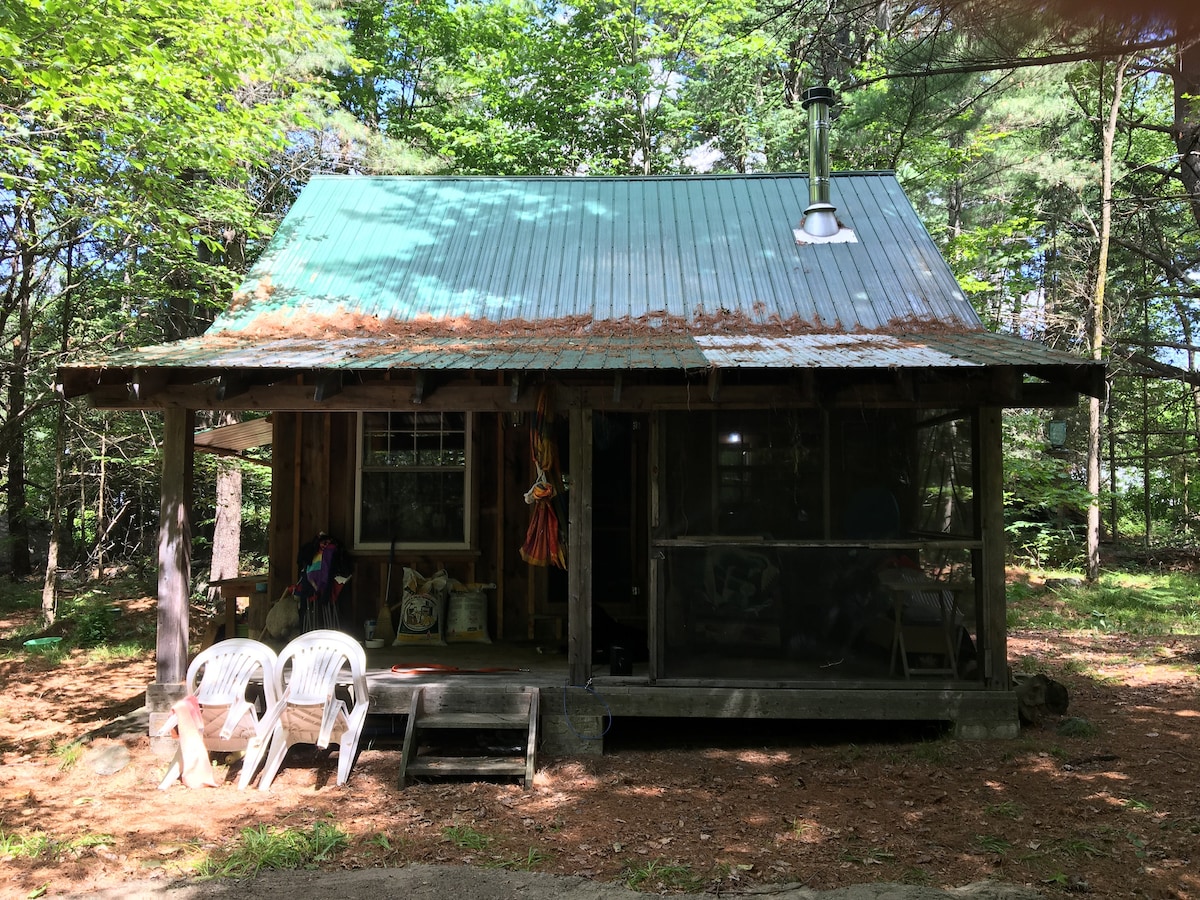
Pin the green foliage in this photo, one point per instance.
(527, 863)
(466, 837)
(1045, 498)
(990, 843)
(1119, 602)
(39, 845)
(68, 754)
(659, 875)
(151, 148)
(265, 847)
(1006, 809)
(867, 855)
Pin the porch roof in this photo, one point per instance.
(619, 352)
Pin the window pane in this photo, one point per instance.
(413, 507)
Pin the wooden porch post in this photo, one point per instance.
(994, 643)
(174, 565)
(579, 549)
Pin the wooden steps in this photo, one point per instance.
(436, 712)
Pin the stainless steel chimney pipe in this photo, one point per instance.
(819, 218)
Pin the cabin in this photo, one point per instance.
(715, 446)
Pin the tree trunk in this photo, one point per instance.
(101, 517)
(18, 507)
(50, 582)
(227, 527)
(1186, 130)
(1093, 466)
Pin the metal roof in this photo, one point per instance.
(696, 272)
(611, 352)
(603, 249)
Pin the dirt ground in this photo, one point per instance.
(1103, 802)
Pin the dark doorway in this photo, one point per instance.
(619, 540)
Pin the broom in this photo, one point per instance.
(383, 621)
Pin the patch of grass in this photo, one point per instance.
(48, 659)
(660, 875)
(1072, 666)
(852, 753)
(466, 837)
(800, 827)
(1132, 602)
(1028, 665)
(915, 875)
(18, 596)
(1077, 847)
(1006, 809)
(1077, 727)
(526, 863)
(263, 847)
(31, 845)
(937, 753)
(382, 841)
(68, 755)
(39, 845)
(989, 843)
(869, 856)
(1137, 805)
(119, 650)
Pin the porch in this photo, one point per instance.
(574, 718)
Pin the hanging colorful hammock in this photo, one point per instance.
(543, 544)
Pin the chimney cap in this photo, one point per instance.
(817, 95)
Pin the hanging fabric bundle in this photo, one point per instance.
(543, 546)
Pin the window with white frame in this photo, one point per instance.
(414, 484)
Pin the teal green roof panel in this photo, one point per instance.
(554, 250)
(510, 274)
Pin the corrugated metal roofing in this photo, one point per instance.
(674, 351)
(543, 250)
(593, 273)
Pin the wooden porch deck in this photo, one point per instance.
(572, 715)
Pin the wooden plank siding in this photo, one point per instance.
(314, 490)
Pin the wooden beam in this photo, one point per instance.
(468, 394)
(515, 389)
(329, 384)
(423, 383)
(231, 384)
(579, 549)
(1088, 378)
(1047, 395)
(714, 385)
(175, 547)
(398, 395)
(656, 603)
(992, 622)
(618, 382)
(146, 384)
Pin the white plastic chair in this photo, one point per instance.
(219, 678)
(308, 711)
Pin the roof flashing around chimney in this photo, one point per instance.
(842, 234)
